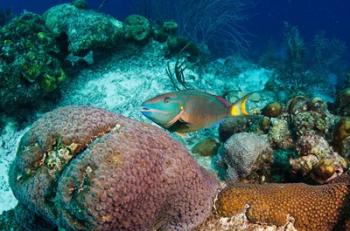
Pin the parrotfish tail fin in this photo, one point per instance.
(239, 108)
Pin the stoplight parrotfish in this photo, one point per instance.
(190, 110)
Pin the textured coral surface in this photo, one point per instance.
(314, 208)
(83, 168)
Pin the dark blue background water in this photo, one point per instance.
(266, 17)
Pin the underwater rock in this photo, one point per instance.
(240, 222)
(307, 207)
(265, 124)
(310, 115)
(206, 147)
(137, 28)
(80, 4)
(161, 33)
(305, 122)
(170, 27)
(341, 137)
(82, 168)
(232, 126)
(279, 134)
(85, 29)
(245, 153)
(20, 219)
(29, 68)
(343, 102)
(317, 159)
(272, 110)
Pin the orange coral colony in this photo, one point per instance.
(314, 208)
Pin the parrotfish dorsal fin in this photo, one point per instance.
(223, 101)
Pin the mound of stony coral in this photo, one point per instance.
(83, 168)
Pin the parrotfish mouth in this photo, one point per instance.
(148, 110)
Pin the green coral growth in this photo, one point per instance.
(137, 28)
(29, 64)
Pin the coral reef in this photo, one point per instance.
(80, 4)
(29, 67)
(272, 110)
(85, 30)
(309, 115)
(341, 137)
(245, 154)
(137, 28)
(20, 219)
(318, 159)
(163, 32)
(280, 135)
(310, 208)
(343, 102)
(85, 168)
(232, 126)
(212, 23)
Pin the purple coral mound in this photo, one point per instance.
(83, 168)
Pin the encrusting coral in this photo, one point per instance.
(279, 134)
(318, 159)
(310, 208)
(309, 115)
(272, 110)
(85, 29)
(341, 137)
(245, 154)
(137, 28)
(82, 168)
(29, 66)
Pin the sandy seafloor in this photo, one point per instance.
(120, 83)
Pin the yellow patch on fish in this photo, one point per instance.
(243, 106)
(235, 111)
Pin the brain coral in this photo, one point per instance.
(314, 208)
(83, 168)
(245, 153)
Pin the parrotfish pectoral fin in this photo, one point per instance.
(175, 119)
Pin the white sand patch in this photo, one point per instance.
(9, 139)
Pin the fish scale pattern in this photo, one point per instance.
(124, 175)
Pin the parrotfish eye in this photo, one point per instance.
(166, 99)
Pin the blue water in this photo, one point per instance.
(265, 17)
